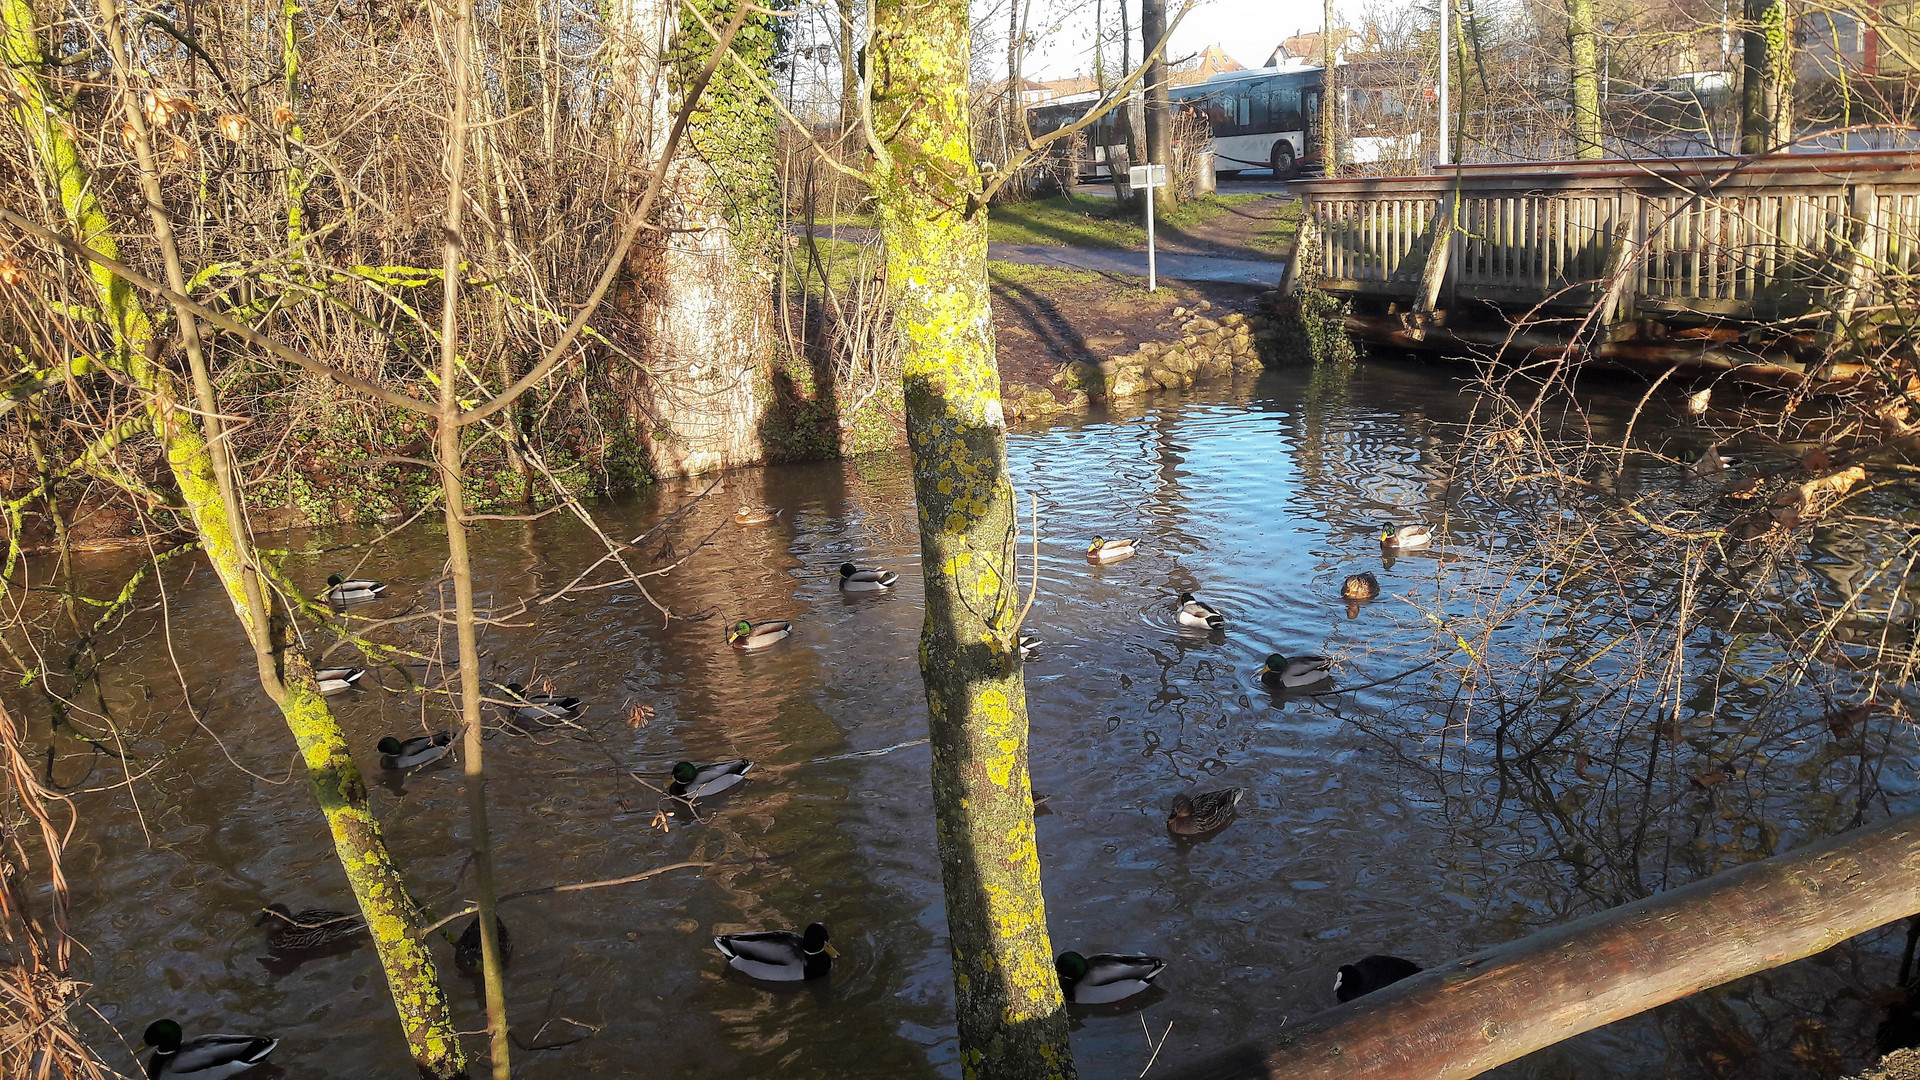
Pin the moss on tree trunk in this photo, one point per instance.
(1766, 80)
(334, 778)
(1007, 996)
(1585, 79)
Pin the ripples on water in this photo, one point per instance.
(1364, 829)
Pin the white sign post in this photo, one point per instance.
(1146, 178)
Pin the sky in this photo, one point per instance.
(1247, 29)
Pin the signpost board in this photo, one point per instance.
(1146, 178)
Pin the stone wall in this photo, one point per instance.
(1207, 350)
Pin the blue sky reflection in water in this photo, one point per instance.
(1374, 821)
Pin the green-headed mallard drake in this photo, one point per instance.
(749, 636)
(1105, 550)
(779, 955)
(1194, 613)
(692, 781)
(466, 951)
(1370, 974)
(1405, 537)
(1106, 977)
(412, 753)
(755, 515)
(203, 1057)
(866, 578)
(334, 680)
(1210, 811)
(1706, 462)
(548, 709)
(1298, 671)
(314, 928)
(1361, 586)
(346, 590)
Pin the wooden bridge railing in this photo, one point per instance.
(1744, 237)
(1462, 1018)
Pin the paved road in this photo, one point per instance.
(1174, 267)
(1134, 263)
(1249, 183)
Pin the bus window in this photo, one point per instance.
(1286, 108)
(1218, 117)
(1310, 108)
(1242, 107)
(1259, 106)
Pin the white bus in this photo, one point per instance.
(1267, 118)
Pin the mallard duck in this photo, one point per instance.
(1299, 671)
(779, 955)
(1706, 462)
(203, 1057)
(546, 709)
(412, 753)
(1105, 977)
(748, 636)
(1370, 974)
(1361, 586)
(866, 578)
(333, 680)
(466, 951)
(755, 515)
(314, 928)
(1192, 612)
(345, 590)
(1405, 537)
(692, 781)
(1207, 812)
(1105, 550)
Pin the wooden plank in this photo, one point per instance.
(1462, 1018)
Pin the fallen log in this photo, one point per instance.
(1462, 1018)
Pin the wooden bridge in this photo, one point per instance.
(1756, 264)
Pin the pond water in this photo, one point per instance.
(1380, 820)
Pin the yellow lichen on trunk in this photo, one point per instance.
(331, 772)
(1007, 995)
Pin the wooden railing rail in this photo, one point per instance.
(1768, 238)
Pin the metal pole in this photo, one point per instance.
(1445, 156)
(1152, 281)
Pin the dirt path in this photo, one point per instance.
(1233, 233)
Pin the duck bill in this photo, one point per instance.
(832, 953)
(1265, 670)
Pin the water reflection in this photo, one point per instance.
(1426, 811)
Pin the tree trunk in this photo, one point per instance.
(849, 78)
(1329, 97)
(1006, 993)
(694, 290)
(331, 772)
(1153, 28)
(1584, 76)
(1766, 84)
(459, 565)
(1460, 1019)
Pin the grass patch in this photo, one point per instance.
(1067, 221)
(1278, 236)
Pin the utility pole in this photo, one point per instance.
(1445, 156)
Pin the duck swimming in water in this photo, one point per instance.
(779, 955)
(1106, 977)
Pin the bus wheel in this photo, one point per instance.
(1284, 166)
